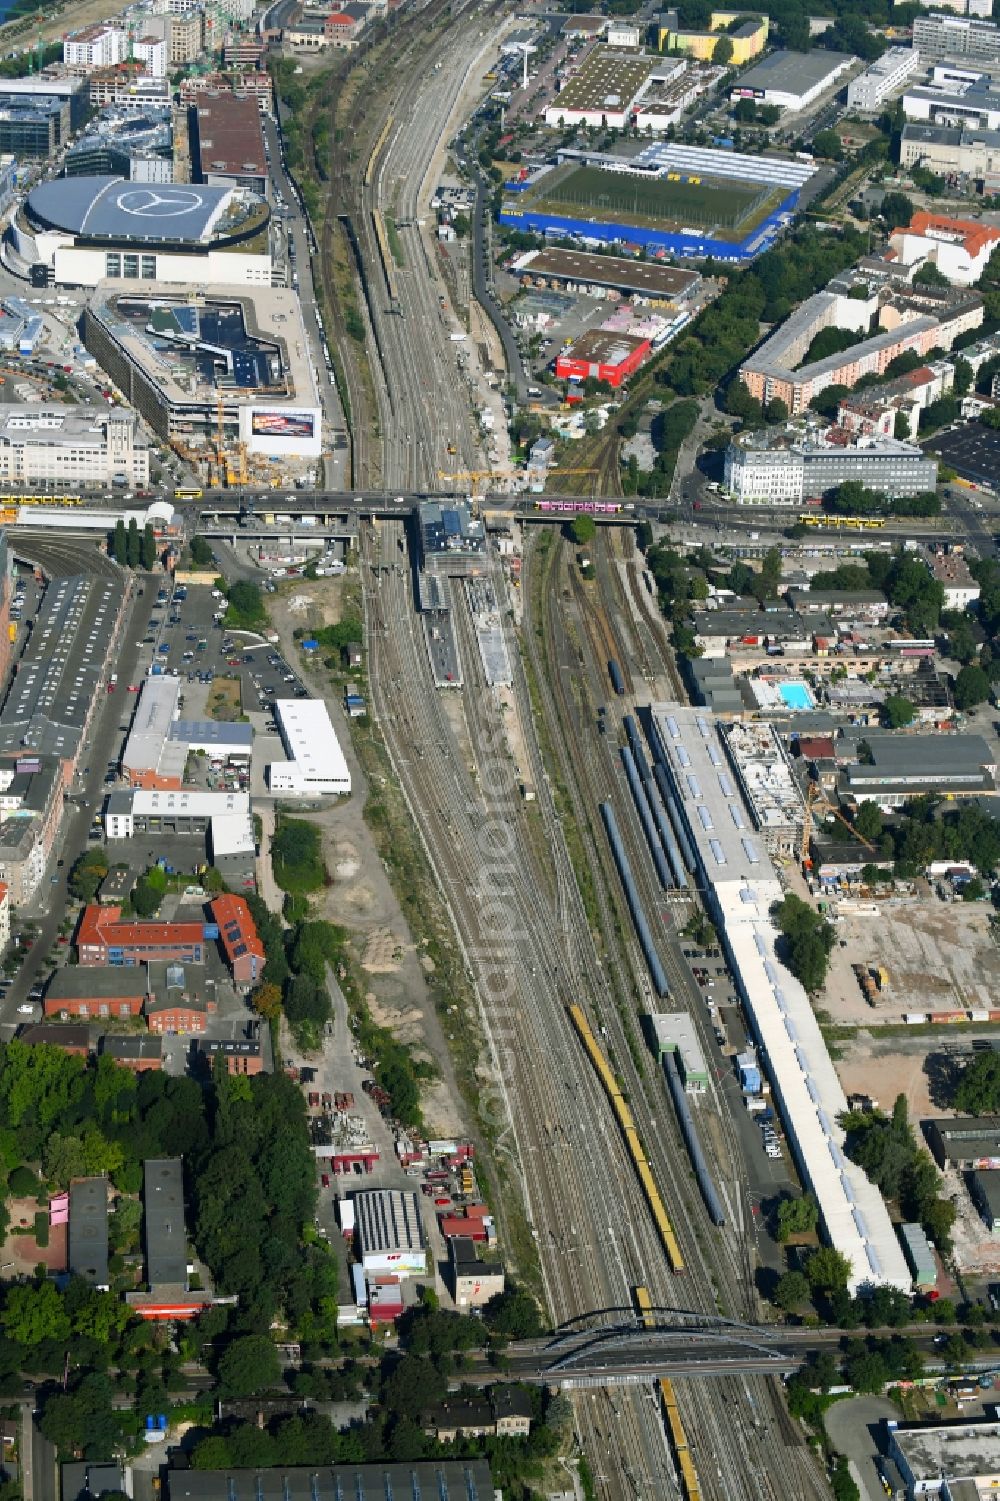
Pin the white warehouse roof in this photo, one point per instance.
(775, 171)
(190, 804)
(744, 885)
(316, 763)
(155, 714)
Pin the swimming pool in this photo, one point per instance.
(796, 696)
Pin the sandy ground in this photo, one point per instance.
(940, 957)
(20, 1253)
(53, 22)
(360, 897)
(883, 1078)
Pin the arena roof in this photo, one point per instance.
(110, 208)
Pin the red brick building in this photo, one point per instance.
(238, 935)
(73, 1038)
(242, 1055)
(95, 992)
(135, 1050)
(103, 938)
(177, 1013)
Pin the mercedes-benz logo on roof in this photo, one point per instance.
(159, 203)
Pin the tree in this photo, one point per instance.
(795, 1216)
(583, 529)
(899, 711)
(868, 821)
(866, 1371)
(133, 546)
(961, 641)
(145, 897)
(929, 276)
(119, 543)
(201, 552)
(249, 1365)
(87, 874)
(722, 52)
(808, 940)
(972, 687)
(901, 427)
(828, 1271)
(842, 1482)
(412, 1385)
(34, 1312)
(791, 1291)
(776, 410)
(963, 377)
(896, 209)
(513, 1313)
(148, 550)
(826, 143)
(978, 1089)
(246, 604)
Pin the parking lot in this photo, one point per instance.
(185, 638)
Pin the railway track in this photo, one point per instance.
(727, 1270)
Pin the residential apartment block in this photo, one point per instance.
(95, 47)
(910, 318)
(956, 36)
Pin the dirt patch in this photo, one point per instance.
(22, 1253)
(405, 1023)
(224, 700)
(316, 603)
(882, 1075)
(383, 953)
(940, 957)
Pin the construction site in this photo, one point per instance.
(223, 376)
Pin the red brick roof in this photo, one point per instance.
(103, 925)
(237, 929)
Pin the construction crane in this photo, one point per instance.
(560, 470)
(473, 474)
(816, 797)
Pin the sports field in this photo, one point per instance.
(732, 209)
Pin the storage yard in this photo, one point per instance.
(940, 959)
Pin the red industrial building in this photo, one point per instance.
(92, 991)
(602, 355)
(102, 938)
(238, 935)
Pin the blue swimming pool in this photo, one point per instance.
(796, 696)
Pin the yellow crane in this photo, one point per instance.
(816, 797)
(560, 470)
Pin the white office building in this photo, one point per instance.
(316, 764)
(888, 73)
(72, 445)
(742, 885)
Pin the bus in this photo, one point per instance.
(188, 494)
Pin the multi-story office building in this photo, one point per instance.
(33, 128)
(956, 36)
(72, 446)
(786, 466)
(887, 74)
(951, 148)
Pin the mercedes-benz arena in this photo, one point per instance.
(79, 231)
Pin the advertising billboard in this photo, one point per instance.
(282, 432)
(282, 424)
